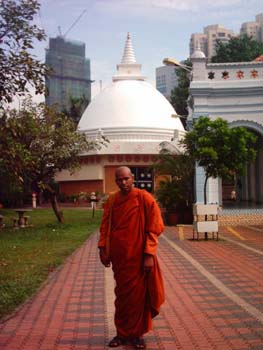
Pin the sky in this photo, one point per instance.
(158, 28)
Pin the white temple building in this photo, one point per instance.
(234, 92)
(136, 118)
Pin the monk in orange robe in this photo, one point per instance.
(131, 225)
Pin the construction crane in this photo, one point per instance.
(72, 25)
(59, 30)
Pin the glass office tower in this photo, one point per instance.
(70, 77)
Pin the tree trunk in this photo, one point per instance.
(205, 202)
(55, 207)
(53, 199)
(205, 184)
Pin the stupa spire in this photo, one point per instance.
(128, 69)
(198, 46)
(128, 54)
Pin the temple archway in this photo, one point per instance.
(247, 189)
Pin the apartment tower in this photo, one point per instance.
(253, 29)
(206, 41)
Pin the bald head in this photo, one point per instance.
(124, 179)
(123, 169)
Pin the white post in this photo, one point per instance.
(34, 200)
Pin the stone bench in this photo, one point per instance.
(26, 220)
(15, 222)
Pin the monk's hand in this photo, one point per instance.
(148, 263)
(103, 258)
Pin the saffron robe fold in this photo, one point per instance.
(136, 223)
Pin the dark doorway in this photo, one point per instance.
(143, 178)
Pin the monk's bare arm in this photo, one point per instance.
(103, 233)
(148, 262)
(103, 258)
(104, 227)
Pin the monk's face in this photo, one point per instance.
(124, 180)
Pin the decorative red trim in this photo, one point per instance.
(119, 158)
(128, 158)
(145, 158)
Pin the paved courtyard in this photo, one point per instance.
(214, 298)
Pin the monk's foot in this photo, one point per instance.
(139, 343)
(116, 341)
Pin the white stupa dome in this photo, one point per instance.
(129, 103)
(130, 108)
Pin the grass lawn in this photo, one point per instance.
(28, 255)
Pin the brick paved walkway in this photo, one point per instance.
(214, 298)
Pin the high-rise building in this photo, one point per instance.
(70, 77)
(206, 41)
(253, 29)
(166, 80)
(250, 29)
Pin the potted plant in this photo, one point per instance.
(175, 192)
(170, 199)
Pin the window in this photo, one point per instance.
(162, 89)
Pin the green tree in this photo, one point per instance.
(179, 95)
(238, 49)
(76, 108)
(18, 67)
(36, 143)
(220, 150)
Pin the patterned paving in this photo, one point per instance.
(214, 298)
(241, 216)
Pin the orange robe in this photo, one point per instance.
(136, 223)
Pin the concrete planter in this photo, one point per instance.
(205, 219)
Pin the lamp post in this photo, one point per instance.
(168, 61)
